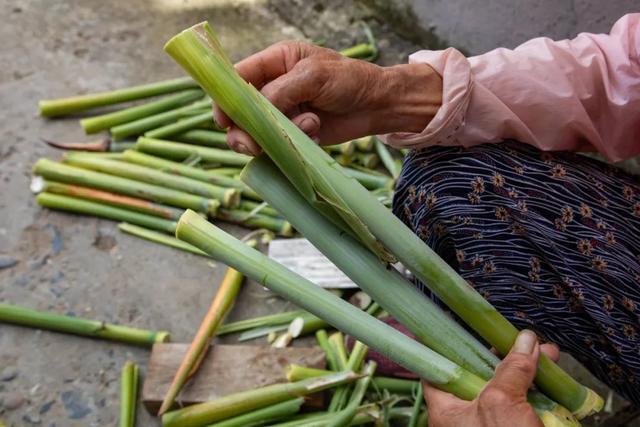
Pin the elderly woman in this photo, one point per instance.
(494, 186)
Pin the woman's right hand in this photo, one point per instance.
(333, 98)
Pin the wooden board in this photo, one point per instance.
(225, 369)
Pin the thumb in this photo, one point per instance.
(515, 374)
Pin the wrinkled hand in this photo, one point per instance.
(333, 98)
(503, 402)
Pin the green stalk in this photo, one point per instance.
(239, 403)
(407, 304)
(311, 324)
(263, 416)
(354, 363)
(128, 394)
(209, 138)
(325, 305)
(343, 159)
(81, 206)
(74, 104)
(323, 342)
(222, 302)
(347, 203)
(73, 325)
(277, 225)
(39, 185)
(368, 160)
(365, 415)
(336, 342)
(180, 169)
(364, 144)
(180, 151)
(232, 172)
(362, 50)
(258, 207)
(140, 126)
(387, 159)
(68, 174)
(369, 180)
(417, 404)
(228, 197)
(109, 120)
(157, 237)
(259, 322)
(394, 385)
(344, 417)
(180, 126)
(346, 148)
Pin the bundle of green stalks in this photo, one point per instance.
(358, 219)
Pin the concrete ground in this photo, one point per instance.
(85, 266)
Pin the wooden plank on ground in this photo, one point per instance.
(225, 369)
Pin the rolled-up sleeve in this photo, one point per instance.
(578, 95)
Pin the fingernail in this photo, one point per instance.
(525, 343)
(242, 148)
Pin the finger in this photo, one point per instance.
(552, 351)
(241, 142)
(303, 83)
(220, 118)
(309, 123)
(515, 374)
(274, 61)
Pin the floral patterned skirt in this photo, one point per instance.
(552, 240)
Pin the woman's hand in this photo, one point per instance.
(503, 402)
(333, 98)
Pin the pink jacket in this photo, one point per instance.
(578, 95)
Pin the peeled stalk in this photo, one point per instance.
(180, 126)
(225, 296)
(74, 325)
(369, 180)
(323, 342)
(277, 225)
(140, 126)
(180, 151)
(105, 121)
(228, 197)
(181, 169)
(39, 185)
(368, 160)
(324, 184)
(81, 206)
(68, 174)
(239, 403)
(263, 416)
(346, 148)
(269, 320)
(128, 394)
(322, 303)
(258, 207)
(394, 167)
(74, 104)
(209, 138)
(157, 237)
(364, 144)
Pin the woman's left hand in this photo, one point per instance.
(503, 402)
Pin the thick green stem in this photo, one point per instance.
(388, 341)
(39, 185)
(180, 126)
(263, 416)
(156, 237)
(239, 403)
(73, 325)
(109, 120)
(68, 174)
(140, 126)
(180, 151)
(74, 104)
(228, 197)
(128, 394)
(347, 203)
(81, 206)
(180, 169)
(209, 138)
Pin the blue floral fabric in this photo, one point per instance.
(550, 239)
